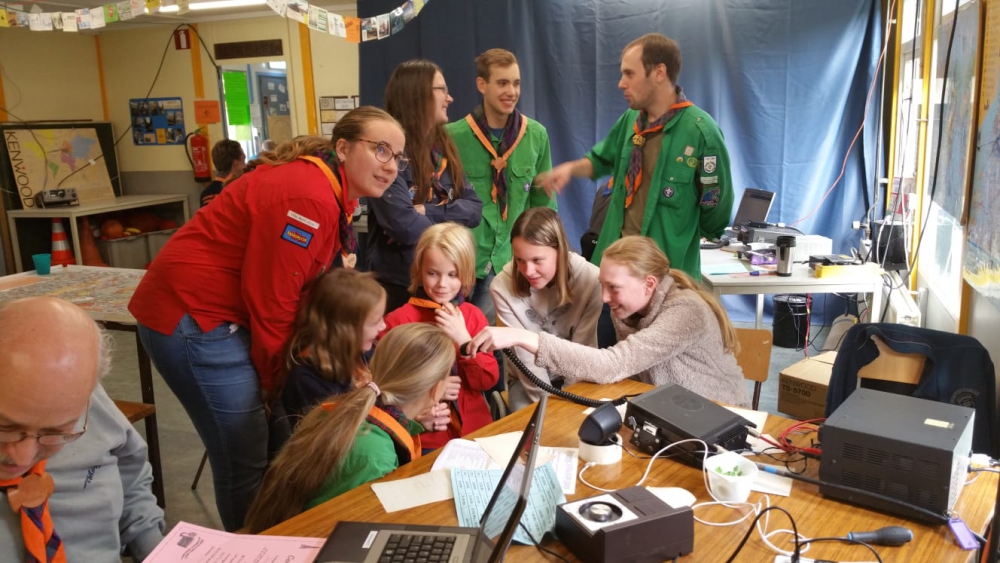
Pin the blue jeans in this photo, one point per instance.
(480, 297)
(214, 379)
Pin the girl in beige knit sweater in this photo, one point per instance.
(669, 330)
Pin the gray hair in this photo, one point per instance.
(105, 348)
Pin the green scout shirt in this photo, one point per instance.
(691, 195)
(372, 457)
(530, 157)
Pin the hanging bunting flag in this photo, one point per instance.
(83, 18)
(298, 10)
(152, 6)
(97, 18)
(396, 22)
(337, 25)
(57, 19)
(138, 7)
(69, 21)
(111, 13)
(124, 11)
(352, 27)
(278, 6)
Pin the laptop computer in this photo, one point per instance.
(372, 542)
(754, 206)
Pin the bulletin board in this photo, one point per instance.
(982, 252)
(157, 121)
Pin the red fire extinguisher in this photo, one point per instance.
(200, 157)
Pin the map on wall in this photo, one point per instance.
(45, 158)
(956, 112)
(982, 252)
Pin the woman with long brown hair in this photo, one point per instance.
(669, 330)
(216, 306)
(360, 436)
(432, 190)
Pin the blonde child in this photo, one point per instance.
(336, 325)
(362, 435)
(443, 273)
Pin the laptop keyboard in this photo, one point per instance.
(410, 548)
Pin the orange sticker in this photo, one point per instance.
(207, 111)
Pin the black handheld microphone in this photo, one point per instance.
(890, 535)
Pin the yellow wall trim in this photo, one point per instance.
(100, 78)
(307, 77)
(199, 79)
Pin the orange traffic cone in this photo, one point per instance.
(62, 255)
(89, 255)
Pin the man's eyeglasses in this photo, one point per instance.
(45, 439)
(384, 154)
(443, 89)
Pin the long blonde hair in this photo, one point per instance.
(644, 258)
(409, 361)
(456, 243)
(541, 226)
(330, 322)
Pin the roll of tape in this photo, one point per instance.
(601, 455)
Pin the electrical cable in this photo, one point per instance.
(538, 544)
(864, 118)
(45, 156)
(795, 532)
(846, 540)
(548, 388)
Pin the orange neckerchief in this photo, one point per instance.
(498, 162)
(633, 179)
(395, 430)
(436, 181)
(29, 496)
(350, 258)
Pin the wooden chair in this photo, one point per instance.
(754, 357)
(135, 412)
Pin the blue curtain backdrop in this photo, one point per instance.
(786, 80)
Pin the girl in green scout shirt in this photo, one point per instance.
(364, 434)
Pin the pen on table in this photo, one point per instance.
(762, 273)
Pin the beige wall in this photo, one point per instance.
(53, 75)
(50, 75)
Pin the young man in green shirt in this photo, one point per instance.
(502, 150)
(671, 178)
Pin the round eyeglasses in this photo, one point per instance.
(384, 154)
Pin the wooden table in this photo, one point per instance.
(104, 293)
(814, 515)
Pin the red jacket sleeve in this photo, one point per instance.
(282, 255)
(479, 372)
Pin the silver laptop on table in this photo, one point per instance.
(378, 542)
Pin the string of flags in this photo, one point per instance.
(354, 30)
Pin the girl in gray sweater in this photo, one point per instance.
(669, 330)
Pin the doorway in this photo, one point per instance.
(256, 104)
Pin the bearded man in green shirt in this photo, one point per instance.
(671, 179)
(502, 150)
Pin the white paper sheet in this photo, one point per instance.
(772, 484)
(464, 454)
(423, 489)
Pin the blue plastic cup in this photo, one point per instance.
(43, 264)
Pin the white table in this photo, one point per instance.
(801, 281)
(73, 212)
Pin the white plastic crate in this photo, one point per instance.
(156, 240)
(128, 252)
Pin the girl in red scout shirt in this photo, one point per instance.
(363, 435)
(443, 273)
(336, 326)
(216, 307)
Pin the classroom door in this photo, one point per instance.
(275, 107)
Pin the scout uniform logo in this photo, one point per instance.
(668, 192)
(296, 235)
(709, 165)
(692, 162)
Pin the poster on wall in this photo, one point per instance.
(332, 109)
(157, 121)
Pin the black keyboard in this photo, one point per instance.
(409, 548)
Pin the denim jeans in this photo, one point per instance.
(480, 297)
(213, 377)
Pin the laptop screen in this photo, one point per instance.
(503, 513)
(754, 206)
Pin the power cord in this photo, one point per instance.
(538, 544)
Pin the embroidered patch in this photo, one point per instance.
(709, 164)
(710, 197)
(668, 192)
(688, 150)
(709, 180)
(692, 162)
(965, 397)
(296, 236)
(303, 219)
(680, 159)
(527, 186)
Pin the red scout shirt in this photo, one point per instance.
(244, 260)
(478, 373)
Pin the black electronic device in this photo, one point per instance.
(889, 246)
(601, 426)
(887, 445)
(56, 197)
(830, 260)
(671, 413)
(631, 525)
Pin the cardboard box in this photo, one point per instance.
(802, 386)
